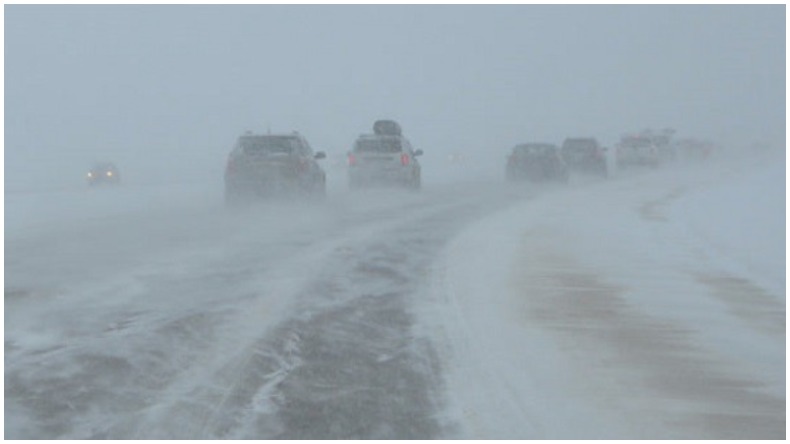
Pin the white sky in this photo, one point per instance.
(151, 83)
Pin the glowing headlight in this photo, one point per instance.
(90, 174)
(109, 173)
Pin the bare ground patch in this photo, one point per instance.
(748, 302)
(643, 364)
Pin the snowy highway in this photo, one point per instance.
(643, 306)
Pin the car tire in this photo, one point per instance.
(416, 182)
(319, 191)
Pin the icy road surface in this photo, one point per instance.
(468, 310)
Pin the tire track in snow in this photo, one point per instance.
(748, 302)
(363, 374)
(591, 359)
(209, 354)
(650, 369)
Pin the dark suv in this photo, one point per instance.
(384, 158)
(273, 164)
(585, 155)
(536, 162)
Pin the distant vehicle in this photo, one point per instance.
(667, 147)
(694, 150)
(103, 173)
(385, 157)
(637, 151)
(584, 154)
(648, 148)
(536, 162)
(273, 165)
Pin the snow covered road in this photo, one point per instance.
(281, 321)
(601, 312)
(469, 310)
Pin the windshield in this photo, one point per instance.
(378, 145)
(267, 144)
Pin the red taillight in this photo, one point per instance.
(352, 160)
(404, 159)
(302, 167)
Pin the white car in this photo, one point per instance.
(637, 150)
(384, 158)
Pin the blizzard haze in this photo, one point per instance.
(151, 86)
(621, 291)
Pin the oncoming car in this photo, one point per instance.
(384, 158)
(273, 165)
(536, 162)
(103, 173)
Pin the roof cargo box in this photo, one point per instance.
(387, 128)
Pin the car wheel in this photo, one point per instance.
(319, 190)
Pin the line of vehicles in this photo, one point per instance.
(263, 165)
(543, 162)
(268, 165)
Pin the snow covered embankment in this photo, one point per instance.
(603, 313)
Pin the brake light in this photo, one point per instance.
(404, 159)
(352, 160)
(302, 165)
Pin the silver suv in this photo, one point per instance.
(279, 164)
(384, 158)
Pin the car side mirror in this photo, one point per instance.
(418, 153)
(320, 155)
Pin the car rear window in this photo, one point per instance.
(531, 150)
(378, 145)
(267, 144)
(579, 145)
(636, 143)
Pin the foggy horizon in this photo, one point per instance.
(147, 85)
